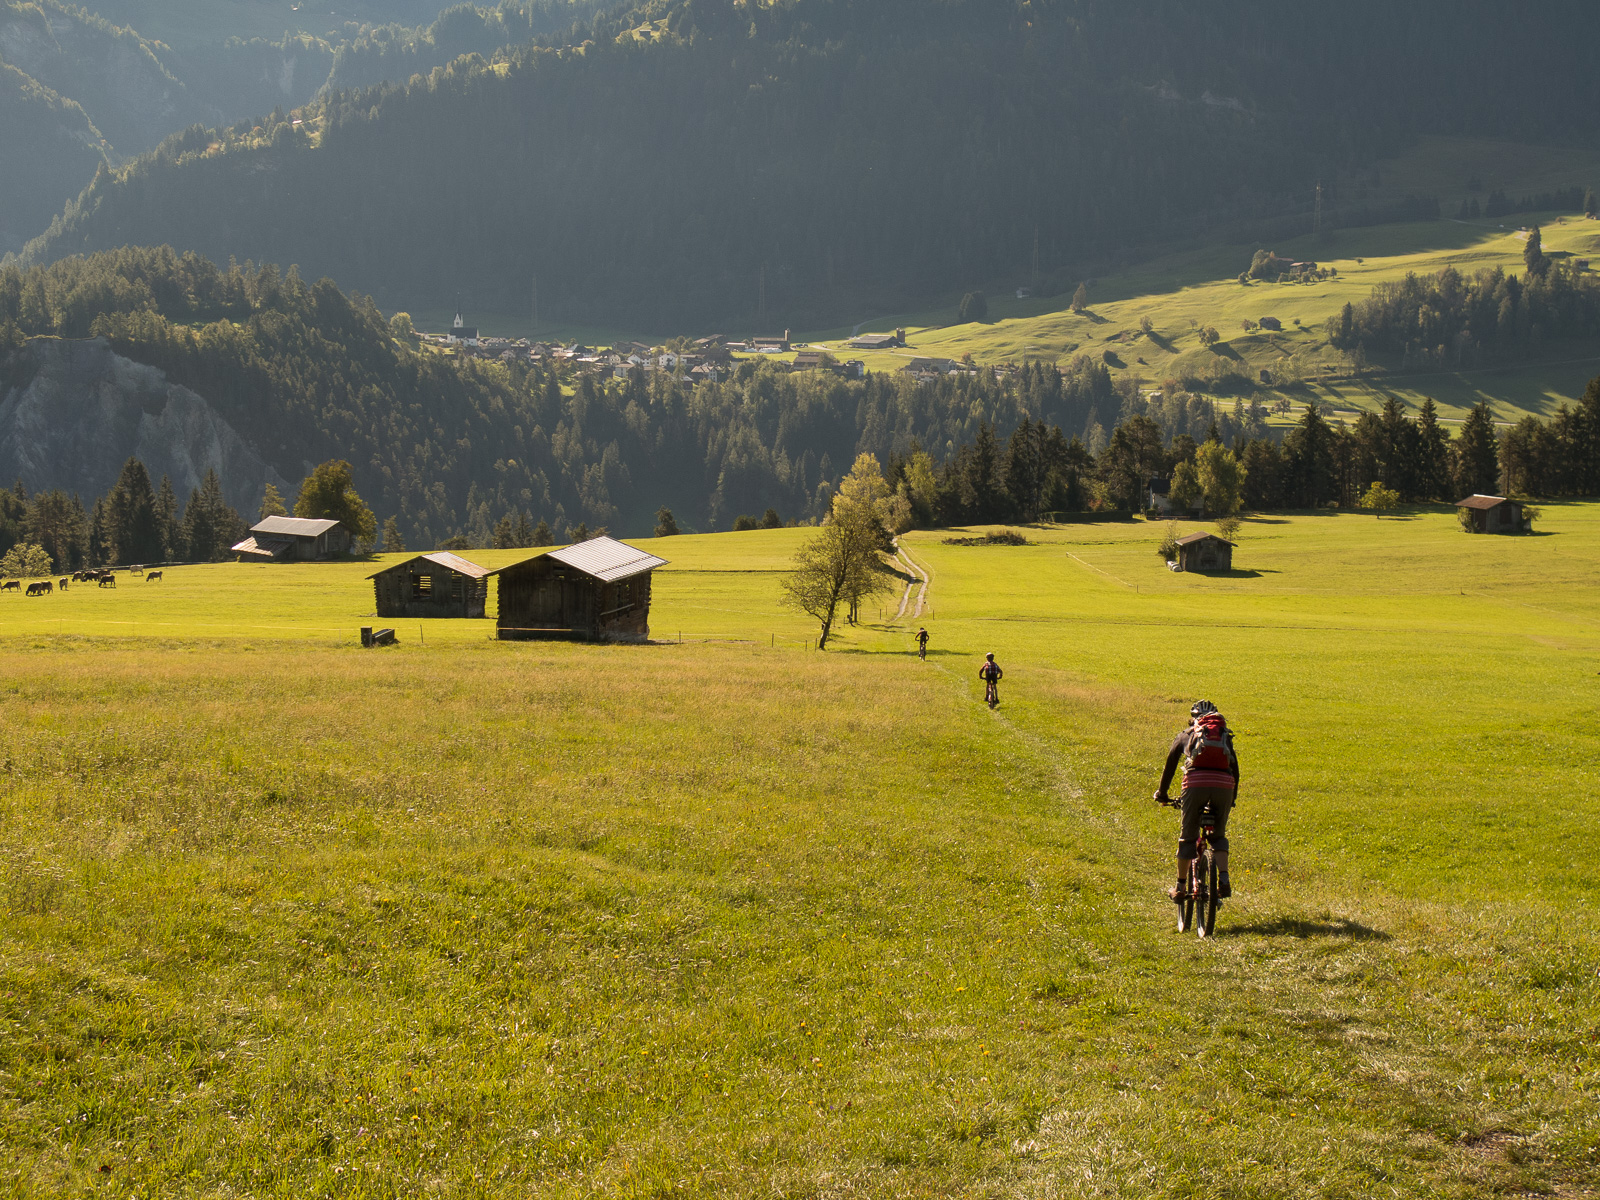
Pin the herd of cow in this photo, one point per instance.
(100, 576)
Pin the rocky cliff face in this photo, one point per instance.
(74, 412)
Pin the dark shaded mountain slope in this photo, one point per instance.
(702, 162)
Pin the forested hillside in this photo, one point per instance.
(705, 162)
(303, 373)
(290, 374)
(82, 84)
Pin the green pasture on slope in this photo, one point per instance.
(1184, 294)
(285, 917)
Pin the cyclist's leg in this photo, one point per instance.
(1223, 808)
(1189, 804)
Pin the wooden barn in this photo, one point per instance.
(284, 539)
(597, 590)
(1490, 514)
(1205, 552)
(432, 585)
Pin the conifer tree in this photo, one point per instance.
(542, 535)
(211, 526)
(272, 504)
(666, 524)
(504, 534)
(1533, 253)
(523, 534)
(393, 543)
(172, 542)
(133, 526)
(1432, 468)
(1477, 465)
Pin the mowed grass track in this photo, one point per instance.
(284, 917)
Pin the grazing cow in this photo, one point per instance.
(11, 585)
(152, 576)
(42, 588)
(61, 584)
(109, 581)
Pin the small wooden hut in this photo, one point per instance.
(432, 585)
(1490, 514)
(284, 539)
(1205, 552)
(597, 590)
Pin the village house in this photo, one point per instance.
(598, 590)
(878, 341)
(1158, 495)
(432, 585)
(284, 539)
(1205, 552)
(1491, 514)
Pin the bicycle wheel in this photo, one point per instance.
(1186, 911)
(1207, 869)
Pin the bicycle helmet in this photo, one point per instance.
(1201, 708)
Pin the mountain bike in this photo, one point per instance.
(922, 651)
(991, 692)
(1198, 909)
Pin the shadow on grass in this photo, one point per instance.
(1300, 927)
(1237, 573)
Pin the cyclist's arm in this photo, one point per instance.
(1173, 755)
(1233, 762)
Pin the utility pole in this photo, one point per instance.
(1316, 220)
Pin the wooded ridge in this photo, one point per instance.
(697, 162)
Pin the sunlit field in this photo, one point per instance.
(727, 916)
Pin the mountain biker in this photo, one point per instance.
(922, 643)
(990, 673)
(1210, 777)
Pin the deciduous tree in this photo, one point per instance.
(327, 494)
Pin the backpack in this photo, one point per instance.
(1210, 745)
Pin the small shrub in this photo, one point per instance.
(1168, 549)
(1006, 537)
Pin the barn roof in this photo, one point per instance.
(292, 526)
(1480, 501)
(608, 559)
(443, 558)
(603, 557)
(1200, 537)
(272, 547)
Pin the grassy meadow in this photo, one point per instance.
(283, 917)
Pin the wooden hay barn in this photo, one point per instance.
(432, 585)
(1205, 552)
(1490, 514)
(283, 539)
(597, 590)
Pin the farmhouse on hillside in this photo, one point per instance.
(597, 590)
(284, 539)
(1205, 552)
(1490, 514)
(432, 585)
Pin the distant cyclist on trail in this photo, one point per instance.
(922, 643)
(990, 673)
(1210, 779)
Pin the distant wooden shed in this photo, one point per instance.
(1205, 552)
(1490, 514)
(283, 539)
(597, 590)
(432, 585)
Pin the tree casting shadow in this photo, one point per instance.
(1300, 927)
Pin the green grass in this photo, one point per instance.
(1184, 294)
(284, 917)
